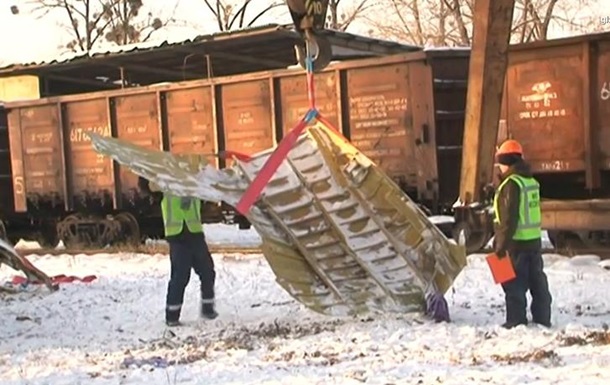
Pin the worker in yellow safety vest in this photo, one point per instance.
(518, 235)
(187, 250)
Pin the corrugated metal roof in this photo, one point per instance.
(144, 46)
(264, 48)
(154, 45)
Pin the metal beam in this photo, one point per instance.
(181, 75)
(252, 60)
(576, 215)
(230, 56)
(86, 82)
(487, 71)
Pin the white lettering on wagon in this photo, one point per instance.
(540, 103)
(555, 165)
(604, 92)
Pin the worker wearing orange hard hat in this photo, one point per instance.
(518, 236)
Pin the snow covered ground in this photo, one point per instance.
(99, 333)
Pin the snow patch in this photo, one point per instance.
(84, 333)
(605, 264)
(441, 219)
(585, 260)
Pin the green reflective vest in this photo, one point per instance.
(174, 216)
(530, 217)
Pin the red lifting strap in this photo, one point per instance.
(273, 162)
(270, 167)
(18, 280)
(281, 152)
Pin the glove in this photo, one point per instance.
(144, 186)
(489, 190)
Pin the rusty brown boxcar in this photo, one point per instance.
(6, 181)
(556, 103)
(406, 112)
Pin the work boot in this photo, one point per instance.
(172, 317)
(512, 324)
(207, 309)
(543, 323)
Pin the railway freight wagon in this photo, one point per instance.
(405, 112)
(6, 183)
(557, 104)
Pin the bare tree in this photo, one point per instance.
(84, 20)
(591, 24)
(231, 14)
(449, 22)
(532, 20)
(461, 12)
(580, 17)
(126, 25)
(422, 22)
(340, 18)
(89, 22)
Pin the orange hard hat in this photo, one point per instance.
(510, 146)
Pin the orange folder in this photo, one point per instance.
(501, 268)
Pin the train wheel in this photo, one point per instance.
(47, 238)
(473, 240)
(70, 232)
(130, 228)
(3, 233)
(67, 230)
(565, 242)
(242, 223)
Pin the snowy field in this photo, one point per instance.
(111, 331)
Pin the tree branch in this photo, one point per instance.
(263, 12)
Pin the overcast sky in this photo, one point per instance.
(25, 38)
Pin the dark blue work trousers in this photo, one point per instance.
(188, 251)
(529, 271)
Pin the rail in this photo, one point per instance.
(603, 253)
(143, 249)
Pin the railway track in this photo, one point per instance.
(600, 252)
(232, 249)
(143, 249)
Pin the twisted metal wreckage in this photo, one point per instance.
(339, 235)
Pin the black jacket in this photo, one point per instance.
(508, 207)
